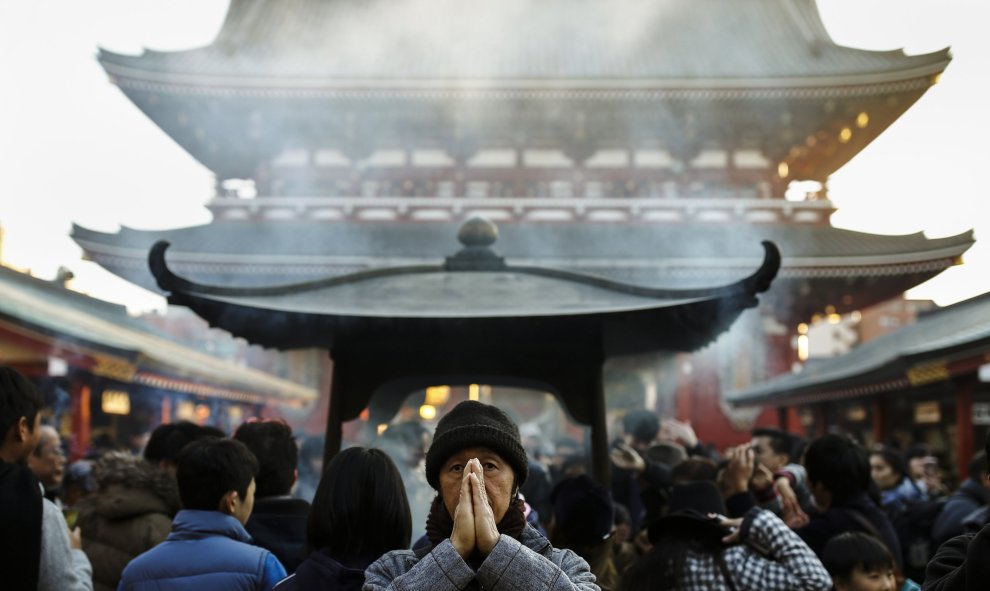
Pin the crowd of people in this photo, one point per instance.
(494, 509)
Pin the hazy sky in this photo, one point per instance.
(74, 149)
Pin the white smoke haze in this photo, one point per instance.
(77, 150)
(464, 39)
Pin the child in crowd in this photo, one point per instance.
(860, 562)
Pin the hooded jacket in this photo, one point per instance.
(970, 496)
(131, 513)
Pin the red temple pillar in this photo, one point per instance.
(879, 413)
(81, 421)
(684, 397)
(821, 420)
(794, 424)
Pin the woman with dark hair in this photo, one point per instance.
(889, 471)
(359, 512)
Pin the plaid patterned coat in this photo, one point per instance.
(771, 558)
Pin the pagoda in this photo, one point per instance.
(646, 142)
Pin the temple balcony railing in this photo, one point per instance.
(508, 209)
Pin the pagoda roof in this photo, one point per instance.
(81, 325)
(473, 292)
(938, 345)
(518, 45)
(679, 255)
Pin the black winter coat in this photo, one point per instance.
(278, 524)
(322, 572)
(960, 564)
(841, 518)
(970, 496)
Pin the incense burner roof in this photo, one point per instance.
(687, 250)
(821, 266)
(472, 293)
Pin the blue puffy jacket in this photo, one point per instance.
(206, 550)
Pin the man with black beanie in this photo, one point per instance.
(478, 534)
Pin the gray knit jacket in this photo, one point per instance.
(527, 564)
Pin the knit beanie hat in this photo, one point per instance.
(473, 424)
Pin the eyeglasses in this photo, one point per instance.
(53, 450)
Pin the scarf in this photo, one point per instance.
(440, 524)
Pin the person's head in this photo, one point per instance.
(772, 448)
(532, 439)
(360, 508)
(168, 439)
(978, 468)
(273, 445)
(623, 523)
(48, 459)
(311, 456)
(122, 469)
(406, 442)
(641, 428)
(78, 482)
(476, 430)
(667, 453)
(582, 511)
(859, 562)
(887, 467)
(688, 507)
(418, 438)
(20, 420)
(564, 448)
(838, 469)
(917, 459)
(574, 465)
(217, 474)
(693, 470)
